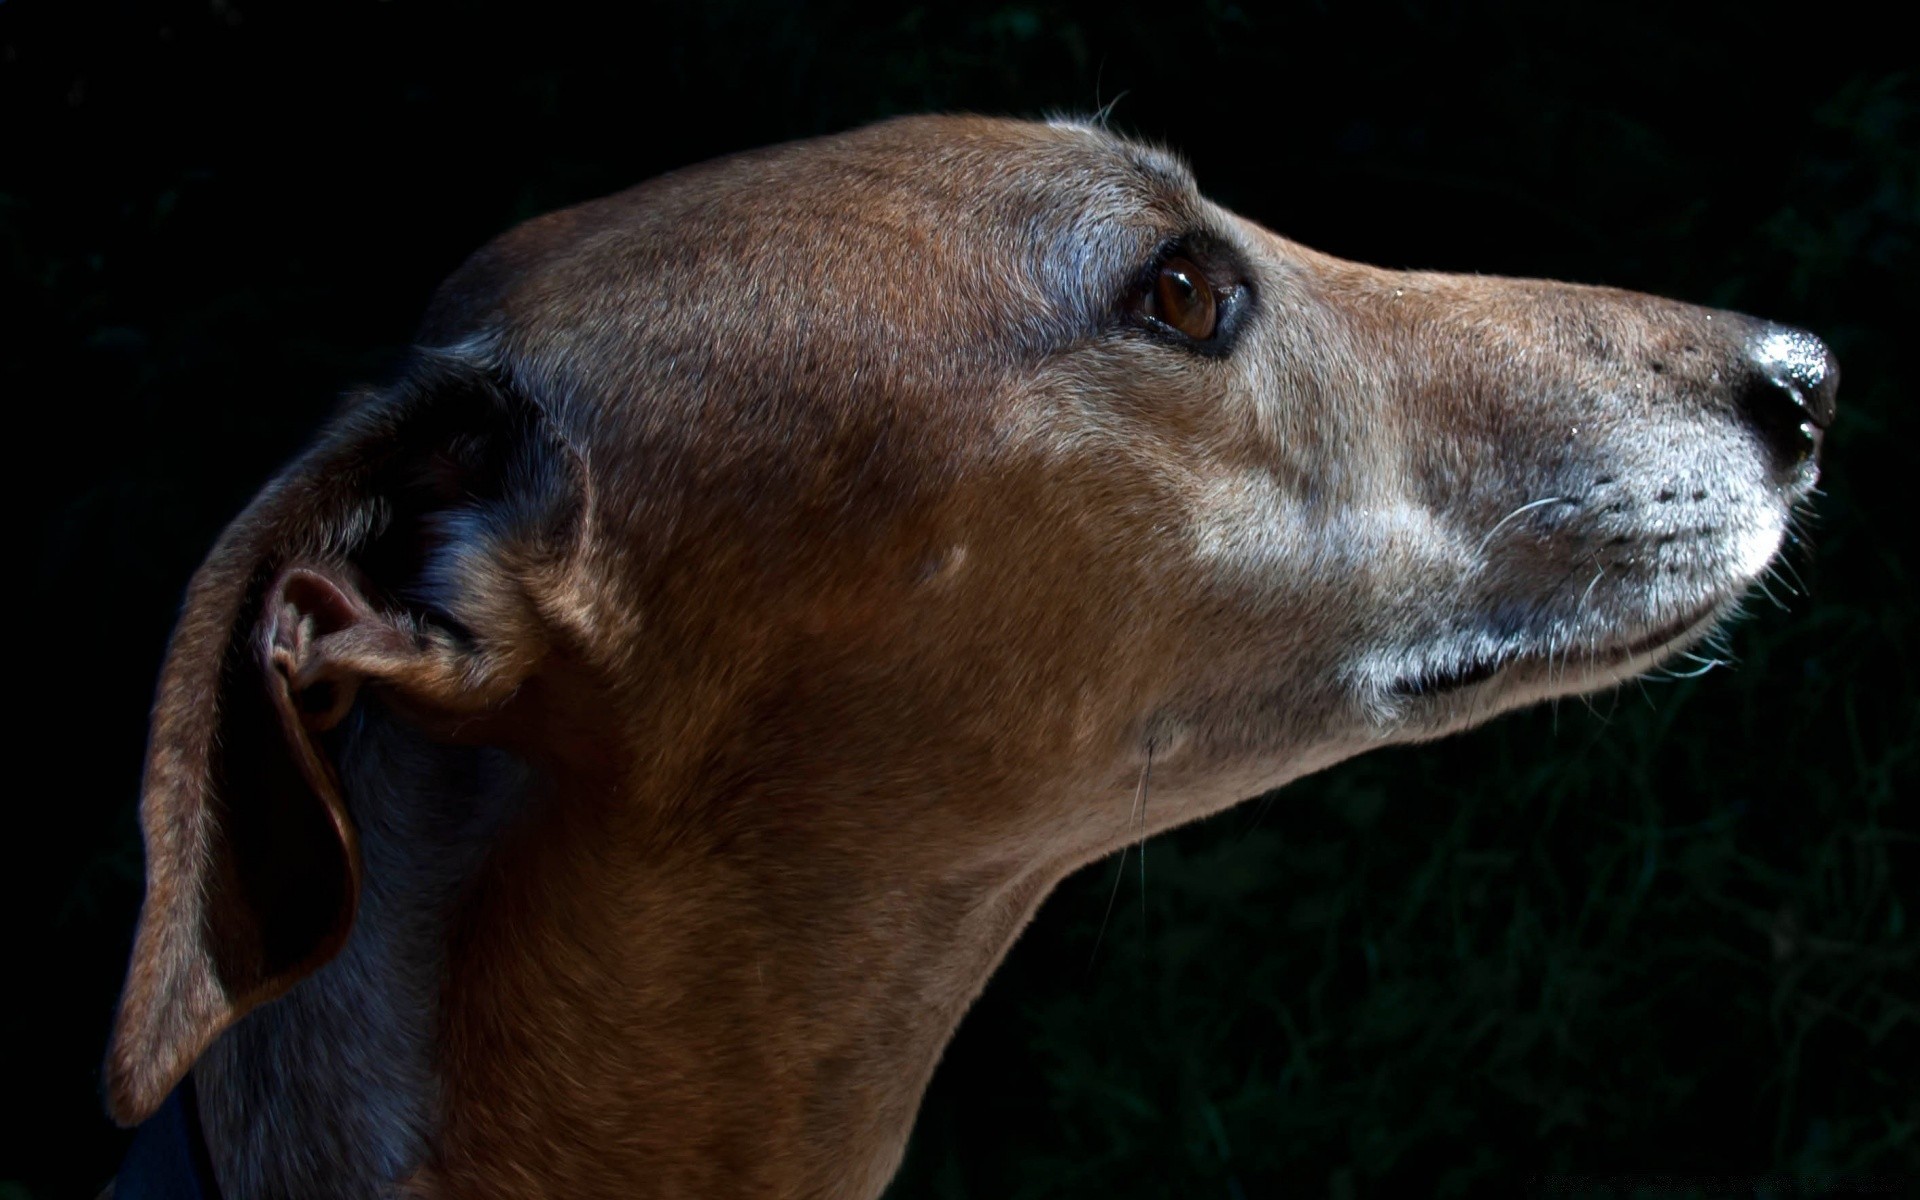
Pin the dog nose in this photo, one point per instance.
(1789, 395)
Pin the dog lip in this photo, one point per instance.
(1671, 631)
(1436, 683)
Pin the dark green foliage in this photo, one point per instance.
(1673, 932)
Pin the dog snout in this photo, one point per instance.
(1788, 393)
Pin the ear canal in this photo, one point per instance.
(325, 639)
(253, 864)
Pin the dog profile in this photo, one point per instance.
(614, 756)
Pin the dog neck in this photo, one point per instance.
(743, 1017)
(526, 1004)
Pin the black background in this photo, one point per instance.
(1670, 932)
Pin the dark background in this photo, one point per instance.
(1673, 931)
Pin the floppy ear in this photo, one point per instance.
(402, 554)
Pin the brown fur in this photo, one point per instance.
(831, 547)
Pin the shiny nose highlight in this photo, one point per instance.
(1789, 396)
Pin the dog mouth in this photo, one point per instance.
(1608, 656)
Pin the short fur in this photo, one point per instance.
(611, 761)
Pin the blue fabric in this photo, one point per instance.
(168, 1159)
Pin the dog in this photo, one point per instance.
(613, 757)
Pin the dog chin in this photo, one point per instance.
(1545, 678)
(1427, 701)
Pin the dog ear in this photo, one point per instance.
(401, 555)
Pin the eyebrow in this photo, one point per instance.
(1163, 170)
(1144, 199)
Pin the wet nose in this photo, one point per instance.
(1789, 394)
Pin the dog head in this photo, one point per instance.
(903, 495)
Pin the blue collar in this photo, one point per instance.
(168, 1157)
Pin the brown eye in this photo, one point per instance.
(1183, 298)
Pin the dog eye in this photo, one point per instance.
(1182, 298)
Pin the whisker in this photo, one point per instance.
(1707, 664)
(1551, 684)
(1761, 584)
(1613, 705)
(1146, 779)
(1482, 549)
(1119, 873)
(1785, 565)
(1260, 811)
(1593, 583)
(1138, 810)
(1593, 655)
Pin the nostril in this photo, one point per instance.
(1774, 413)
(1789, 397)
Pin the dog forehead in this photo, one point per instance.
(957, 234)
(832, 326)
